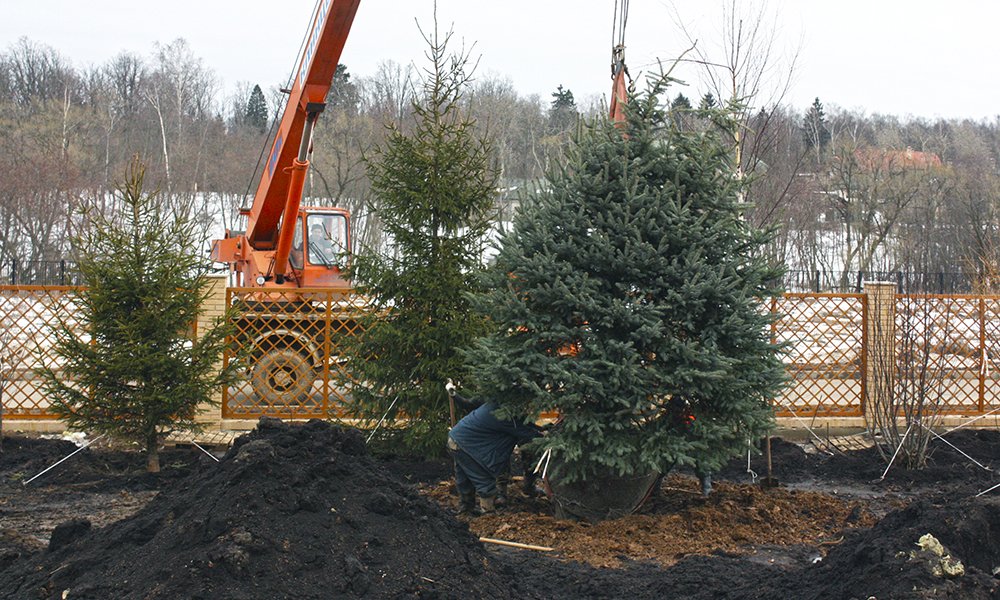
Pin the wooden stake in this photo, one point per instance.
(769, 481)
(486, 540)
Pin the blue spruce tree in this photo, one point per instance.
(629, 296)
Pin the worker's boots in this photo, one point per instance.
(501, 497)
(487, 504)
(467, 504)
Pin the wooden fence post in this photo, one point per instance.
(210, 416)
(879, 341)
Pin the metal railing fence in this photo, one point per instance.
(852, 282)
(293, 347)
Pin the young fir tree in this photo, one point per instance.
(132, 368)
(256, 111)
(814, 130)
(681, 103)
(708, 104)
(435, 188)
(629, 297)
(562, 111)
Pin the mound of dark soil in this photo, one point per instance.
(419, 471)
(27, 453)
(716, 577)
(14, 545)
(290, 512)
(885, 561)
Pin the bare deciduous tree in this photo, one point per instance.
(747, 73)
(908, 359)
(870, 190)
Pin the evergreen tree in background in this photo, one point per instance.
(435, 188)
(562, 112)
(708, 104)
(343, 93)
(133, 369)
(680, 103)
(256, 115)
(814, 130)
(681, 114)
(628, 297)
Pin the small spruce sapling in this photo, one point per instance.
(131, 367)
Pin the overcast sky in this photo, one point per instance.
(905, 57)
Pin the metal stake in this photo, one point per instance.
(210, 455)
(63, 459)
(382, 419)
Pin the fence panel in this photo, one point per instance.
(291, 341)
(824, 338)
(939, 351)
(293, 346)
(29, 316)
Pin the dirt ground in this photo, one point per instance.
(735, 518)
(103, 484)
(304, 511)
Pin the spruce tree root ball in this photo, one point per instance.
(602, 496)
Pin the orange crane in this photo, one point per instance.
(290, 251)
(287, 245)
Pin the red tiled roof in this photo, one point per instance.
(874, 158)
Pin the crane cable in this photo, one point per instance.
(275, 122)
(619, 70)
(619, 22)
(618, 40)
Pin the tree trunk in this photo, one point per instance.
(152, 453)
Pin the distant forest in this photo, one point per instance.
(847, 192)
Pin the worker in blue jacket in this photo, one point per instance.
(481, 445)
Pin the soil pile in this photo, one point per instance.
(883, 562)
(291, 511)
(886, 561)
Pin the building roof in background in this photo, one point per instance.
(884, 159)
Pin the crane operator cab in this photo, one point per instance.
(320, 247)
(326, 239)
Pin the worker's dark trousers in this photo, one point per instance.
(470, 475)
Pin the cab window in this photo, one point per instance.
(326, 236)
(295, 256)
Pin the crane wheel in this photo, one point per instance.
(282, 377)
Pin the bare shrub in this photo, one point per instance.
(910, 348)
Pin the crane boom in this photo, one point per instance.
(331, 24)
(290, 251)
(271, 251)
